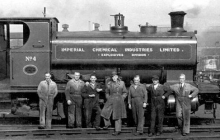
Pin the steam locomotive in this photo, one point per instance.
(146, 53)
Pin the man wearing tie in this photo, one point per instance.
(158, 93)
(184, 92)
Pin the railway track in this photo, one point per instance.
(61, 132)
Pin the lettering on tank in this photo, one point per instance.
(125, 52)
(169, 50)
(72, 50)
(104, 49)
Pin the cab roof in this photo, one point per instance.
(27, 19)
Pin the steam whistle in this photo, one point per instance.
(119, 20)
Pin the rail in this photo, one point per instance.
(61, 132)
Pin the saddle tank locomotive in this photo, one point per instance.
(146, 53)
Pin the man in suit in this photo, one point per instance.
(157, 93)
(90, 93)
(184, 93)
(73, 94)
(137, 101)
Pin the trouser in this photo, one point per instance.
(138, 113)
(75, 114)
(183, 117)
(117, 124)
(89, 108)
(157, 114)
(46, 107)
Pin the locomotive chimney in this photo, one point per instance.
(119, 24)
(177, 20)
(65, 26)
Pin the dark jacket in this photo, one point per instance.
(89, 90)
(156, 95)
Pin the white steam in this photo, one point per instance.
(192, 7)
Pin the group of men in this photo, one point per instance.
(80, 94)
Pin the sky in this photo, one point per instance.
(79, 13)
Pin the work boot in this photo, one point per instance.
(106, 127)
(138, 133)
(151, 134)
(158, 134)
(116, 133)
(69, 126)
(41, 127)
(97, 128)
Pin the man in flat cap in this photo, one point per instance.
(116, 92)
(137, 101)
(184, 93)
(158, 93)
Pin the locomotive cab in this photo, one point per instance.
(24, 56)
(26, 51)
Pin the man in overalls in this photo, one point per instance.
(47, 91)
(137, 101)
(73, 94)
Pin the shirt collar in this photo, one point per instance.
(49, 82)
(75, 80)
(93, 84)
(182, 84)
(117, 82)
(156, 85)
(137, 84)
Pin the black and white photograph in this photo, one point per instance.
(110, 70)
